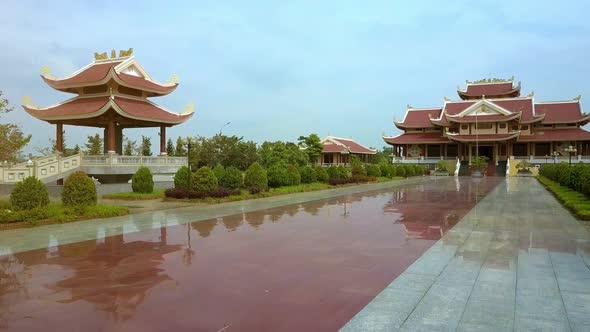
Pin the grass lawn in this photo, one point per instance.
(55, 213)
(576, 202)
(131, 196)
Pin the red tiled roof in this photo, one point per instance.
(142, 83)
(487, 137)
(416, 138)
(455, 108)
(334, 148)
(80, 108)
(98, 71)
(566, 134)
(522, 105)
(488, 89)
(419, 118)
(353, 146)
(483, 118)
(564, 112)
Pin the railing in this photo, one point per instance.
(421, 160)
(334, 164)
(54, 165)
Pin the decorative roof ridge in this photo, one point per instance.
(32, 106)
(189, 108)
(424, 109)
(349, 139)
(92, 64)
(559, 102)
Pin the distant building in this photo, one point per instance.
(493, 120)
(337, 151)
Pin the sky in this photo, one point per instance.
(277, 70)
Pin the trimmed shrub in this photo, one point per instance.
(142, 181)
(419, 170)
(181, 178)
(343, 172)
(373, 170)
(391, 170)
(576, 177)
(384, 170)
(400, 170)
(204, 180)
(29, 194)
(255, 178)
(358, 172)
(320, 173)
(332, 172)
(278, 176)
(232, 178)
(293, 175)
(219, 171)
(78, 190)
(409, 170)
(308, 174)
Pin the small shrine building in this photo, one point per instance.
(337, 151)
(111, 93)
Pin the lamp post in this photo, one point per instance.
(225, 125)
(555, 155)
(570, 149)
(188, 154)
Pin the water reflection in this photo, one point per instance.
(290, 266)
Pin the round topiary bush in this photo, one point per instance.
(204, 180)
(332, 172)
(358, 172)
(343, 172)
(373, 170)
(255, 178)
(391, 171)
(308, 175)
(293, 175)
(29, 194)
(278, 175)
(400, 170)
(79, 190)
(232, 178)
(320, 173)
(142, 181)
(181, 178)
(385, 171)
(409, 170)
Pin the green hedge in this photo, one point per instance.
(142, 181)
(321, 174)
(255, 178)
(293, 175)
(308, 175)
(373, 170)
(573, 200)
(29, 194)
(576, 177)
(181, 178)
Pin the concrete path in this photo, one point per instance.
(25, 239)
(517, 262)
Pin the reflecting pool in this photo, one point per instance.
(304, 267)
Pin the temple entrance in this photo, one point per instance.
(484, 150)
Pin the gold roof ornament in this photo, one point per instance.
(27, 101)
(578, 97)
(491, 80)
(100, 56)
(173, 79)
(447, 98)
(46, 71)
(409, 106)
(190, 107)
(123, 53)
(531, 94)
(113, 54)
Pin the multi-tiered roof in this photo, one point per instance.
(117, 85)
(494, 101)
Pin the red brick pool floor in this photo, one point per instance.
(306, 267)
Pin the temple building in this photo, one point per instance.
(337, 151)
(111, 93)
(492, 119)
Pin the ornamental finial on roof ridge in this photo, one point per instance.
(122, 54)
(578, 97)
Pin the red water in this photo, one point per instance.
(308, 267)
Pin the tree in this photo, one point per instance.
(146, 146)
(280, 152)
(76, 149)
(383, 156)
(94, 146)
(312, 146)
(129, 146)
(170, 148)
(12, 139)
(180, 150)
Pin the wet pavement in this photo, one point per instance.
(301, 267)
(517, 262)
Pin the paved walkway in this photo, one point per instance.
(25, 239)
(517, 261)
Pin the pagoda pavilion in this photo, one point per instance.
(492, 119)
(111, 93)
(337, 151)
